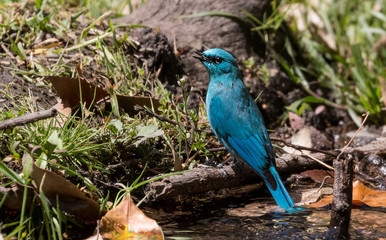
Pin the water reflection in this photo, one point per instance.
(258, 218)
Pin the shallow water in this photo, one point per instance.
(259, 218)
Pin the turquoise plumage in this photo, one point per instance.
(237, 121)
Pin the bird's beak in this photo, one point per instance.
(200, 56)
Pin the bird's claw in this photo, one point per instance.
(220, 165)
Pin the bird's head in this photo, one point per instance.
(218, 62)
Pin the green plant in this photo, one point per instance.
(338, 50)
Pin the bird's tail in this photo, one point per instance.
(280, 194)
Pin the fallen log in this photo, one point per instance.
(205, 178)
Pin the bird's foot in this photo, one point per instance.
(220, 165)
(237, 163)
(296, 209)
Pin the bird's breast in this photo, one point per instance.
(224, 104)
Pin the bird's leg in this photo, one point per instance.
(228, 159)
(238, 162)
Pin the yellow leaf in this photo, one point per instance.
(127, 221)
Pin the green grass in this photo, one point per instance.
(337, 52)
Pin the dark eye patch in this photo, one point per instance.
(216, 60)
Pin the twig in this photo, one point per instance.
(165, 119)
(298, 147)
(318, 161)
(344, 148)
(321, 185)
(301, 148)
(28, 118)
(217, 149)
(161, 118)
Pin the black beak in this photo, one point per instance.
(200, 56)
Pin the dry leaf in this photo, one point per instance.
(128, 102)
(71, 199)
(301, 138)
(47, 42)
(312, 195)
(361, 195)
(14, 197)
(319, 175)
(127, 221)
(319, 109)
(64, 109)
(364, 195)
(42, 47)
(322, 202)
(67, 89)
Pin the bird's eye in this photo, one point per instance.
(217, 60)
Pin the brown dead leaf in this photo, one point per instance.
(14, 197)
(68, 90)
(322, 202)
(63, 108)
(318, 175)
(364, 195)
(127, 221)
(128, 102)
(71, 199)
(361, 195)
(311, 196)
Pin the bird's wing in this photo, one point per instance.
(243, 133)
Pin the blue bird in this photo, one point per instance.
(237, 121)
